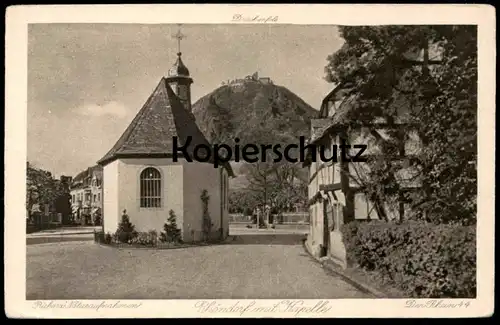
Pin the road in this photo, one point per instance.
(86, 233)
(253, 266)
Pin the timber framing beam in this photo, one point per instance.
(330, 187)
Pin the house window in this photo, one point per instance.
(95, 197)
(150, 188)
(99, 197)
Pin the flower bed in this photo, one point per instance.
(127, 237)
(143, 241)
(420, 260)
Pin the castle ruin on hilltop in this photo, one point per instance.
(254, 77)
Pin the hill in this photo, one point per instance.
(254, 112)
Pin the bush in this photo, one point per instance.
(108, 238)
(98, 236)
(126, 230)
(149, 238)
(102, 238)
(171, 233)
(421, 259)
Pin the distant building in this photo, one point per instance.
(266, 80)
(86, 196)
(253, 77)
(96, 193)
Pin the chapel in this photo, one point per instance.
(141, 176)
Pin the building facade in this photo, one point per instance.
(86, 196)
(336, 188)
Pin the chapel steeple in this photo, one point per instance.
(178, 76)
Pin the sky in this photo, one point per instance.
(86, 82)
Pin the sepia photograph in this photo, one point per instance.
(252, 159)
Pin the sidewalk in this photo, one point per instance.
(64, 231)
(266, 231)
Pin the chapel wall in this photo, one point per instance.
(146, 219)
(200, 176)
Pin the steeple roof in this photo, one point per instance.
(179, 69)
(151, 132)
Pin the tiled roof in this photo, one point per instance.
(81, 176)
(152, 130)
(343, 116)
(318, 126)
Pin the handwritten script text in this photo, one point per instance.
(255, 19)
(295, 307)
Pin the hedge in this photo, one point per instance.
(421, 260)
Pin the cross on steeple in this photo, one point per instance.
(179, 36)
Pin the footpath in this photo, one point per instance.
(63, 234)
(64, 231)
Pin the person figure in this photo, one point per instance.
(274, 216)
(267, 211)
(258, 217)
(251, 217)
(255, 218)
(262, 214)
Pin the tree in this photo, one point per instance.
(428, 73)
(126, 230)
(42, 182)
(242, 201)
(290, 187)
(278, 184)
(271, 180)
(171, 234)
(42, 188)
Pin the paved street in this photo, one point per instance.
(241, 229)
(86, 233)
(252, 266)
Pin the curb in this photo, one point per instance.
(50, 241)
(58, 234)
(120, 247)
(329, 265)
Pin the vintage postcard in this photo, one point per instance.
(267, 161)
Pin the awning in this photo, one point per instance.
(75, 209)
(96, 210)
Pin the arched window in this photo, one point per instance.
(150, 188)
